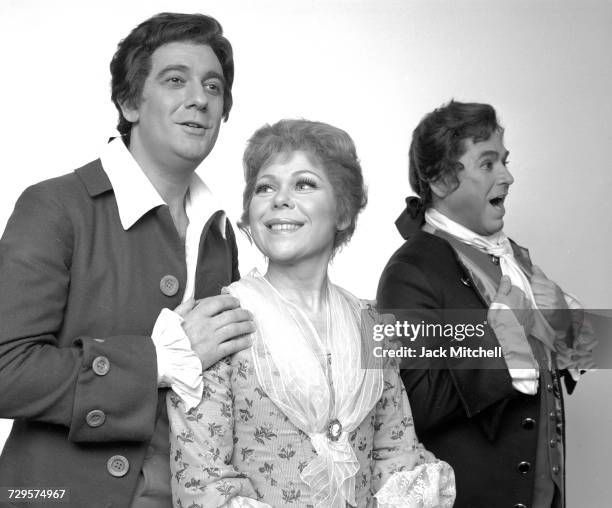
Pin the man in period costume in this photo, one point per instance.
(499, 423)
(90, 263)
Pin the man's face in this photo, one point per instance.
(478, 202)
(177, 120)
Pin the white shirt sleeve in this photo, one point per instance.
(178, 366)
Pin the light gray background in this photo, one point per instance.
(373, 68)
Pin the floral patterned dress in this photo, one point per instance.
(236, 442)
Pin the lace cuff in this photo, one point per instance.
(430, 485)
(245, 502)
(177, 365)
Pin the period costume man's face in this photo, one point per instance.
(293, 214)
(177, 120)
(478, 202)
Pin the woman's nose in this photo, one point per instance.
(283, 198)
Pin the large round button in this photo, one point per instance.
(528, 423)
(523, 467)
(95, 418)
(118, 466)
(169, 285)
(100, 365)
(519, 505)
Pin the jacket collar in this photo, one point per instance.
(118, 171)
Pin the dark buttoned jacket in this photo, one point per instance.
(472, 418)
(79, 296)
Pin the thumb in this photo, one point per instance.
(185, 307)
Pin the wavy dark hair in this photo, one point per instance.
(131, 62)
(439, 141)
(327, 147)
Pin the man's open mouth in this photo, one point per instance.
(498, 202)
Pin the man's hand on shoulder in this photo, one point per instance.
(550, 300)
(216, 326)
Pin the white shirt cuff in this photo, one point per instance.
(178, 366)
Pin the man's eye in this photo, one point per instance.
(305, 184)
(175, 80)
(214, 88)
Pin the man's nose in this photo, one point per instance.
(506, 177)
(196, 96)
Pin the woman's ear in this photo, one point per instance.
(342, 223)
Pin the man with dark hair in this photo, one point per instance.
(91, 261)
(500, 422)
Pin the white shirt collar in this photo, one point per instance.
(135, 194)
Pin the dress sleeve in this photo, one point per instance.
(202, 445)
(405, 473)
(73, 385)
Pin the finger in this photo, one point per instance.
(185, 307)
(228, 317)
(234, 330)
(229, 347)
(504, 286)
(213, 305)
(541, 286)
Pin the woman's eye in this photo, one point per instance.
(488, 165)
(262, 188)
(305, 184)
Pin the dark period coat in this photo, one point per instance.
(473, 419)
(78, 300)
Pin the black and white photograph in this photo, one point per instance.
(306, 253)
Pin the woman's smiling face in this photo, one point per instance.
(293, 212)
